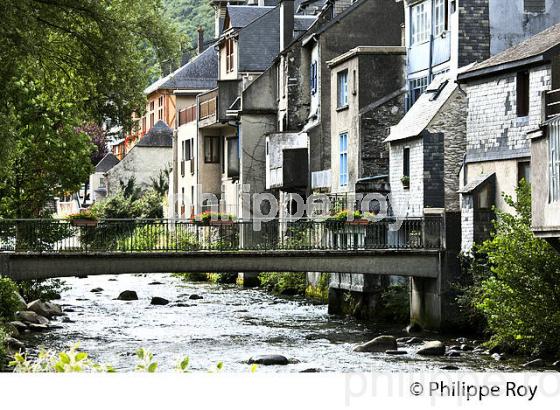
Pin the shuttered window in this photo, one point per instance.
(554, 162)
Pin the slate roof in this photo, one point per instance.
(201, 73)
(528, 51)
(160, 135)
(106, 163)
(259, 41)
(241, 16)
(424, 110)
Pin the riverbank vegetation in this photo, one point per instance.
(284, 283)
(516, 284)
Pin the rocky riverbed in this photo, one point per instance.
(113, 316)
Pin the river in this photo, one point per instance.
(229, 324)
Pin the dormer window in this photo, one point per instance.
(229, 55)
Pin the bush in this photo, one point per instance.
(3, 350)
(43, 289)
(284, 283)
(8, 299)
(192, 276)
(395, 303)
(519, 291)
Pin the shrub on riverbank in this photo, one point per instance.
(192, 276)
(284, 283)
(42, 289)
(8, 299)
(222, 278)
(3, 349)
(395, 304)
(518, 290)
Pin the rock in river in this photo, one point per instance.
(269, 360)
(156, 300)
(20, 326)
(28, 317)
(96, 290)
(46, 309)
(395, 352)
(155, 282)
(434, 348)
(195, 297)
(128, 295)
(414, 328)
(379, 344)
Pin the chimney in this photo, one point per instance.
(200, 46)
(286, 23)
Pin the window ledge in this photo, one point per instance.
(343, 108)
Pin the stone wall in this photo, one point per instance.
(494, 130)
(474, 31)
(407, 202)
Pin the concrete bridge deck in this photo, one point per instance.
(402, 262)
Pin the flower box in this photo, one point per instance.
(83, 222)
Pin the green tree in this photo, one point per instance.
(519, 293)
(64, 64)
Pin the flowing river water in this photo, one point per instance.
(229, 324)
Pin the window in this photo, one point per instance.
(440, 16)
(187, 150)
(143, 124)
(229, 55)
(416, 88)
(233, 157)
(406, 162)
(554, 163)
(523, 94)
(534, 6)
(151, 120)
(160, 108)
(524, 171)
(212, 150)
(342, 100)
(313, 78)
(420, 23)
(343, 178)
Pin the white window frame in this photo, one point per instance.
(420, 23)
(342, 92)
(343, 153)
(440, 11)
(554, 162)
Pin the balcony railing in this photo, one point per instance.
(187, 115)
(552, 104)
(208, 108)
(163, 235)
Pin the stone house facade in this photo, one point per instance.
(506, 95)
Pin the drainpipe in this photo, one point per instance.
(431, 61)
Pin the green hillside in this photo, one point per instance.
(189, 14)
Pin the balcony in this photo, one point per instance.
(207, 108)
(286, 161)
(187, 115)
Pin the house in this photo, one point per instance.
(367, 96)
(97, 180)
(167, 96)
(507, 95)
(443, 35)
(144, 162)
(305, 92)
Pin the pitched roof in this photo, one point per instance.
(106, 163)
(532, 50)
(201, 73)
(160, 135)
(424, 110)
(241, 16)
(476, 183)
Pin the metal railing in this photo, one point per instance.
(166, 235)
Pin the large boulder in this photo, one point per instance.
(195, 297)
(379, 344)
(30, 317)
(434, 348)
(156, 300)
(269, 360)
(20, 326)
(46, 309)
(128, 295)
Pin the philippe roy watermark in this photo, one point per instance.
(263, 207)
(456, 388)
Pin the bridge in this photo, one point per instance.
(48, 248)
